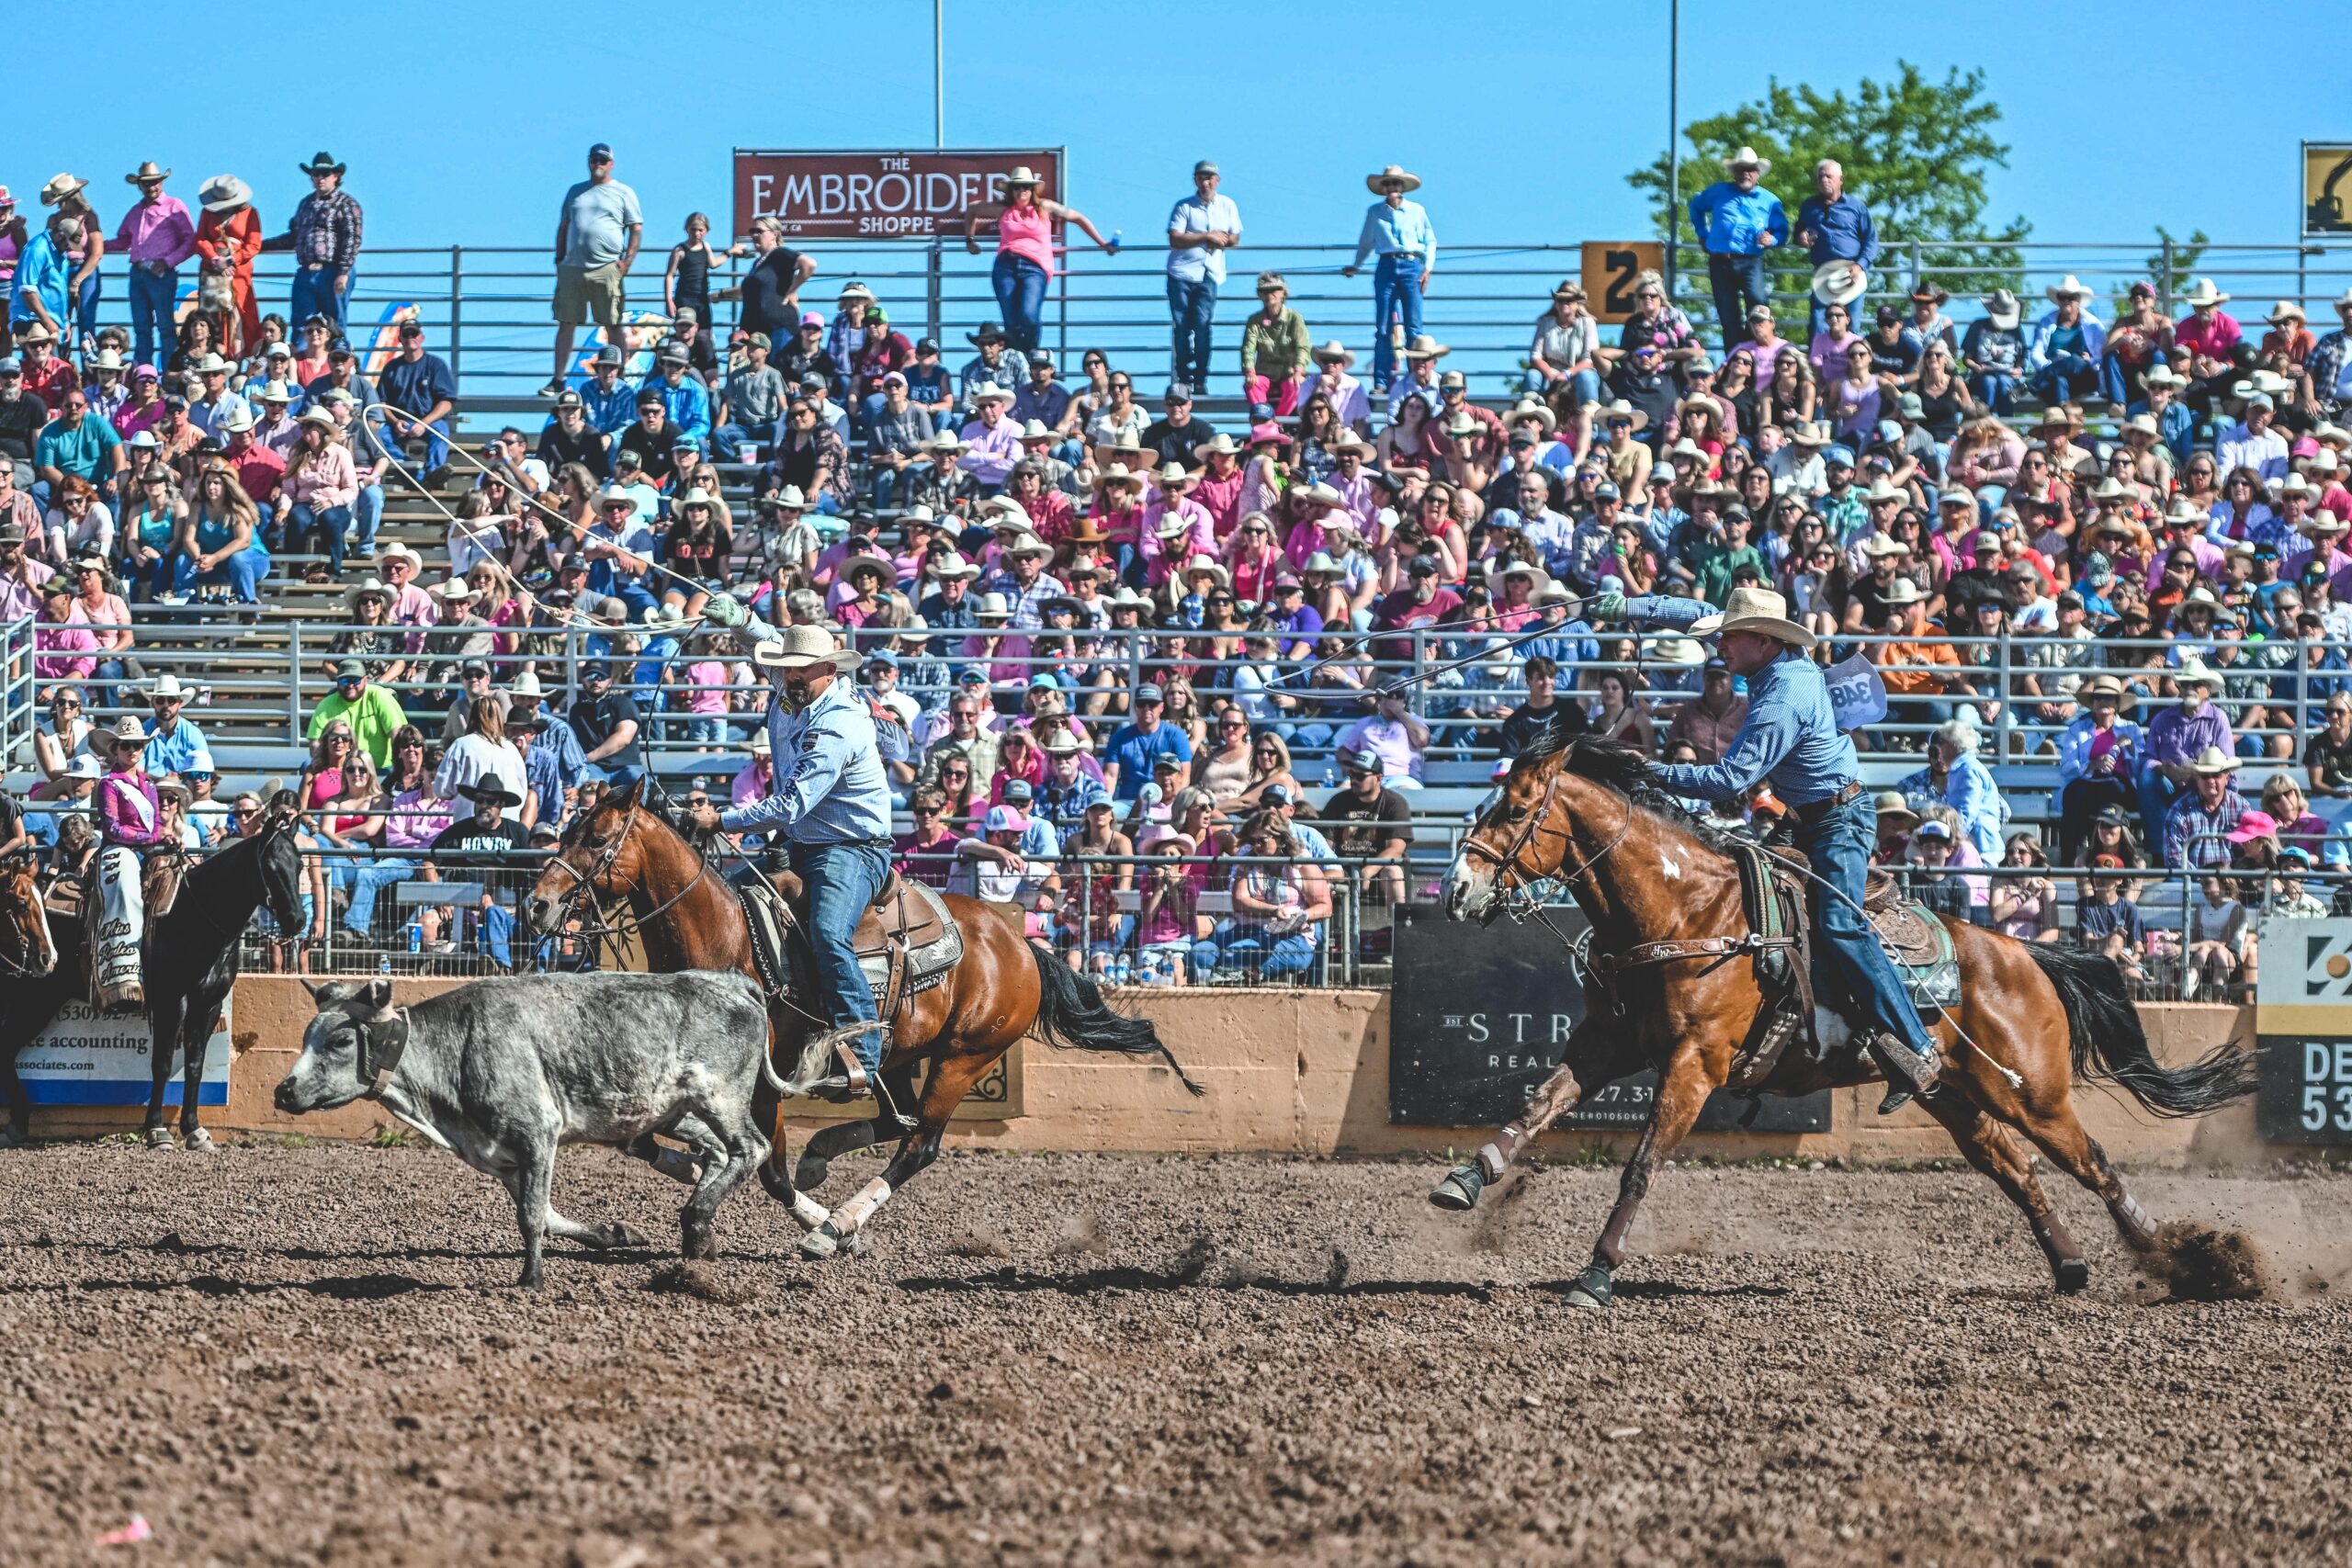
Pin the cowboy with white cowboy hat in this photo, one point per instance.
(1400, 234)
(1791, 740)
(831, 810)
(2066, 346)
(1737, 220)
(130, 822)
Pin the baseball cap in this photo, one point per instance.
(1838, 455)
(351, 670)
(1180, 393)
(1150, 692)
(1016, 792)
(1363, 760)
(926, 346)
(1932, 830)
(600, 153)
(570, 401)
(595, 670)
(756, 340)
(1424, 566)
(812, 317)
(1005, 820)
(1274, 795)
(883, 656)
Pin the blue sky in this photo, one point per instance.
(1522, 118)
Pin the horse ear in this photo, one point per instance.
(627, 798)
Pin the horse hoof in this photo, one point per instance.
(810, 1174)
(820, 1242)
(1458, 1193)
(161, 1138)
(201, 1139)
(2074, 1276)
(1592, 1290)
(619, 1234)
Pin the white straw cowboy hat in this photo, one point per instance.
(2067, 287)
(1023, 174)
(2003, 307)
(2195, 673)
(1424, 346)
(1757, 610)
(1535, 409)
(59, 187)
(1335, 353)
(1902, 591)
(1746, 158)
(2284, 311)
(224, 193)
(804, 648)
(2202, 292)
(148, 171)
(1839, 282)
(1393, 172)
(2212, 761)
(1620, 409)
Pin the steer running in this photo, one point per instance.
(502, 1072)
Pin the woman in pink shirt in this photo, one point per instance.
(1025, 255)
(63, 648)
(321, 484)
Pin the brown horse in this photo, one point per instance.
(1585, 811)
(27, 947)
(625, 852)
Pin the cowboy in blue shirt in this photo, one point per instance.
(828, 804)
(1833, 225)
(1400, 233)
(1737, 220)
(1791, 740)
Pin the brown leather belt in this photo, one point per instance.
(1814, 811)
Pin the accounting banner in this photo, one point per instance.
(2302, 1022)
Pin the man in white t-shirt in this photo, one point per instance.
(1201, 229)
(596, 237)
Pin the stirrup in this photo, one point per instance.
(1909, 1075)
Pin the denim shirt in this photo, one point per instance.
(829, 787)
(1791, 740)
(1733, 222)
(1841, 231)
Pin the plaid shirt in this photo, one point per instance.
(326, 230)
(2326, 365)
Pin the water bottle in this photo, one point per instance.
(415, 937)
(1114, 240)
(1330, 776)
(384, 964)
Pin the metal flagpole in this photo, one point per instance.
(1673, 134)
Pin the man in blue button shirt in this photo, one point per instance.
(1791, 740)
(1737, 220)
(1401, 231)
(828, 803)
(1833, 225)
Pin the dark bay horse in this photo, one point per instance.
(625, 852)
(1583, 810)
(189, 967)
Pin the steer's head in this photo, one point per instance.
(333, 1068)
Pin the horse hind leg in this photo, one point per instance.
(1682, 1093)
(166, 1014)
(829, 1143)
(195, 1034)
(1988, 1146)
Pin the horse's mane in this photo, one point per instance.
(1626, 770)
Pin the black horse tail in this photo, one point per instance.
(1072, 1014)
(2108, 1041)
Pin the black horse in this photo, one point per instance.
(189, 966)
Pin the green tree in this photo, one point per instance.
(1916, 151)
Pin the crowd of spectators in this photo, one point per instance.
(1115, 626)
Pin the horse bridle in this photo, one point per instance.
(584, 883)
(1517, 902)
(20, 967)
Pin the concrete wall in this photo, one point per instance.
(1288, 1072)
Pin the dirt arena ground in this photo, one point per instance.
(315, 1355)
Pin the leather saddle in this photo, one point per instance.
(906, 941)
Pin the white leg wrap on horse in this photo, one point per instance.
(2127, 1210)
(860, 1209)
(1495, 1157)
(808, 1212)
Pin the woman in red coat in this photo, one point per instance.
(228, 237)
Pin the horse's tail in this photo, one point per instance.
(1072, 1014)
(2108, 1041)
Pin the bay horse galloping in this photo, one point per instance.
(1662, 893)
(625, 852)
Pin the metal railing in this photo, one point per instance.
(17, 692)
(486, 307)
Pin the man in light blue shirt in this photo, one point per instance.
(176, 742)
(828, 804)
(1737, 220)
(39, 290)
(596, 237)
(1401, 231)
(1791, 740)
(1201, 229)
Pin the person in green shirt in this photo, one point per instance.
(373, 712)
(1723, 553)
(1275, 348)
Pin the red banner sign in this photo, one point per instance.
(879, 196)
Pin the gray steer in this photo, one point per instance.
(501, 1072)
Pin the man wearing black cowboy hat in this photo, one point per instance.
(324, 238)
(487, 837)
(989, 367)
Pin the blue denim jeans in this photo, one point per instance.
(1233, 947)
(2067, 377)
(2157, 794)
(368, 513)
(312, 295)
(151, 299)
(1020, 285)
(1192, 311)
(1395, 291)
(1738, 283)
(1584, 386)
(843, 880)
(366, 878)
(1995, 389)
(1838, 846)
(83, 316)
(242, 572)
(329, 524)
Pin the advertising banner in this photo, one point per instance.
(2302, 1023)
(880, 194)
(83, 1059)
